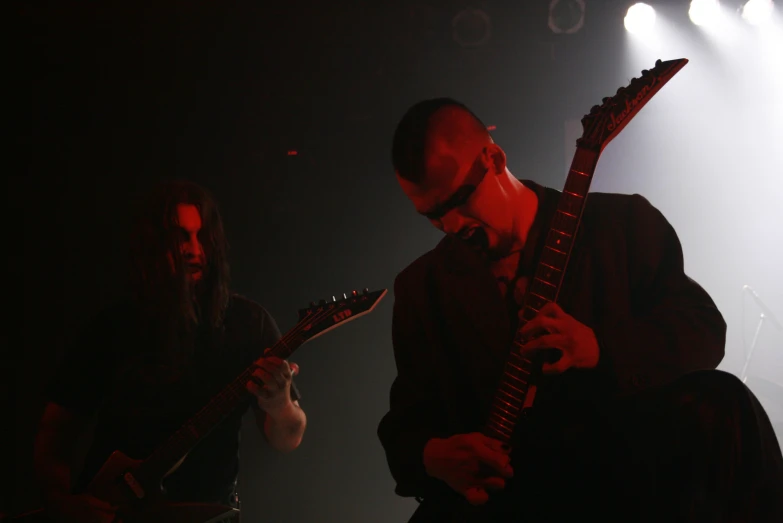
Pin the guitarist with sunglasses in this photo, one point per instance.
(142, 368)
(630, 421)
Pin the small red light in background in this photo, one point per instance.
(292, 153)
(491, 128)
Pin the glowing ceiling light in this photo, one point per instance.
(704, 12)
(639, 19)
(757, 12)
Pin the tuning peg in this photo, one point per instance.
(658, 62)
(366, 290)
(594, 109)
(334, 299)
(620, 90)
(354, 293)
(645, 72)
(605, 99)
(345, 296)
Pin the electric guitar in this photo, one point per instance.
(516, 392)
(135, 485)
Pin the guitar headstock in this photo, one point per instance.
(322, 317)
(605, 121)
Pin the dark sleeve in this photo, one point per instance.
(674, 326)
(413, 417)
(269, 335)
(81, 381)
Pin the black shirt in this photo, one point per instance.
(139, 400)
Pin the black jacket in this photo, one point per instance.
(451, 328)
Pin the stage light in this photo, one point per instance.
(566, 16)
(704, 12)
(640, 19)
(757, 12)
(471, 28)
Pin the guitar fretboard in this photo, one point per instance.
(519, 372)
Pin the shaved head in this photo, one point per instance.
(436, 140)
(456, 176)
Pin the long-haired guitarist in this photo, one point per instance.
(629, 419)
(142, 368)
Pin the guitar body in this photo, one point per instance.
(144, 501)
(170, 513)
(502, 507)
(139, 501)
(454, 510)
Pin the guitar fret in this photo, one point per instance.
(500, 426)
(529, 312)
(553, 249)
(539, 296)
(520, 369)
(577, 184)
(505, 421)
(566, 221)
(497, 407)
(559, 239)
(502, 431)
(507, 394)
(561, 232)
(573, 194)
(544, 281)
(515, 407)
(520, 380)
(579, 172)
(525, 361)
(507, 384)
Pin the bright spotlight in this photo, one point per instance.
(757, 12)
(704, 12)
(639, 19)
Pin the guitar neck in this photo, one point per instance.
(519, 372)
(166, 456)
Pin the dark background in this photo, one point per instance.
(115, 96)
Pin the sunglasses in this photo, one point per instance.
(463, 193)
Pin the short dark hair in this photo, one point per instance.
(410, 137)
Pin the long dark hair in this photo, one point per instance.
(167, 301)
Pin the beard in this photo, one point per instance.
(478, 240)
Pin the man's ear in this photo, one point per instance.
(495, 158)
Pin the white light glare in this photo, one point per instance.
(704, 12)
(639, 19)
(757, 12)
